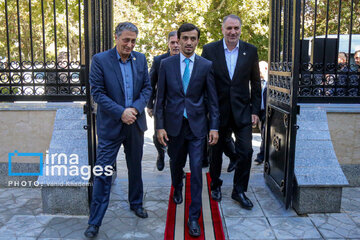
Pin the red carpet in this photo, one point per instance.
(210, 219)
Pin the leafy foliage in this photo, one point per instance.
(36, 17)
(321, 18)
(156, 18)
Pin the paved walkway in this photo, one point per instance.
(21, 210)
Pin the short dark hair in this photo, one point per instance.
(187, 27)
(171, 34)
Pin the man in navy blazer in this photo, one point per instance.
(173, 46)
(180, 113)
(120, 86)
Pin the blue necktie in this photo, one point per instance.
(186, 79)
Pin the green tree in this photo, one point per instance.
(255, 21)
(328, 15)
(31, 26)
(156, 19)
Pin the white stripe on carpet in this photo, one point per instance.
(206, 211)
(179, 218)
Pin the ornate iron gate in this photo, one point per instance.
(316, 66)
(99, 37)
(280, 133)
(329, 41)
(47, 50)
(42, 53)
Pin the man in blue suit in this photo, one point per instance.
(180, 115)
(120, 86)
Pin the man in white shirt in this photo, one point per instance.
(235, 68)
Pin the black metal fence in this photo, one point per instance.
(42, 50)
(98, 38)
(329, 38)
(280, 129)
(281, 53)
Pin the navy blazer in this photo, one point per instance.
(234, 94)
(154, 76)
(107, 89)
(171, 99)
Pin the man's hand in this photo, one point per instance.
(150, 111)
(213, 137)
(129, 116)
(254, 119)
(162, 136)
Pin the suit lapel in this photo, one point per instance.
(240, 58)
(194, 71)
(134, 73)
(116, 68)
(222, 59)
(178, 73)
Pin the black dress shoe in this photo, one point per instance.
(178, 199)
(194, 228)
(140, 212)
(92, 231)
(242, 199)
(232, 165)
(216, 194)
(160, 164)
(259, 161)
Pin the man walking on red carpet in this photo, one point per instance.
(180, 115)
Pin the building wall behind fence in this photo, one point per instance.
(345, 136)
(25, 131)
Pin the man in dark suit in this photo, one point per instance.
(235, 68)
(181, 120)
(173, 46)
(229, 151)
(120, 86)
(263, 76)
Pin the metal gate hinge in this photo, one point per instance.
(87, 109)
(267, 168)
(282, 186)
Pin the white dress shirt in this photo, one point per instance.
(183, 64)
(262, 95)
(231, 58)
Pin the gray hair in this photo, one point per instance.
(233, 16)
(125, 26)
(171, 34)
